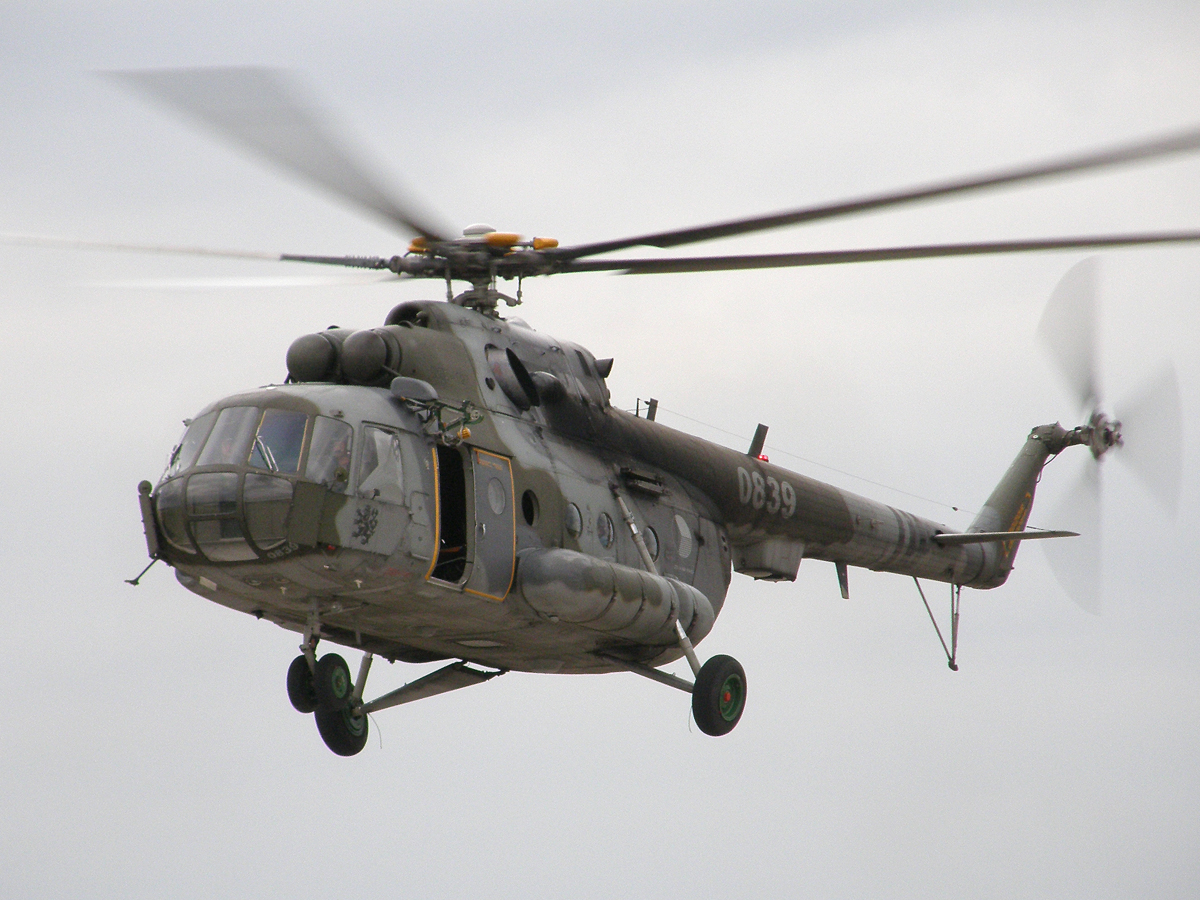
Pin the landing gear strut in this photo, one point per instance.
(301, 687)
(324, 687)
(719, 693)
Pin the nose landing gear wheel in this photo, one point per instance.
(332, 683)
(300, 687)
(344, 732)
(719, 695)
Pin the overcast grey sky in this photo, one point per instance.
(147, 743)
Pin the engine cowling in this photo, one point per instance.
(369, 357)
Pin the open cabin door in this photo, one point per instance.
(495, 526)
(491, 544)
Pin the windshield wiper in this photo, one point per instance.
(265, 452)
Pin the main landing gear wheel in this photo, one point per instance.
(332, 684)
(300, 688)
(343, 731)
(719, 695)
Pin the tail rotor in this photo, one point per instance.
(1147, 432)
(1153, 446)
(1068, 329)
(1076, 562)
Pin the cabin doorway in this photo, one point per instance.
(451, 562)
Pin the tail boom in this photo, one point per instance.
(774, 518)
(1007, 509)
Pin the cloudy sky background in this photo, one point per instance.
(147, 743)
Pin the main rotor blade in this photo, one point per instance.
(838, 257)
(339, 279)
(1068, 331)
(41, 240)
(1152, 437)
(1183, 142)
(258, 110)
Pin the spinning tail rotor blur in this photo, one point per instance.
(1146, 431)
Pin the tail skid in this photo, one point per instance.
(1000, 525)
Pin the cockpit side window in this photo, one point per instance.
(189, 447)
(380, 471)
(279, 440)
(230, 439)
(329, 456)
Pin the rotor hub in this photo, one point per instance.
(1099, 435)
(1103, 434)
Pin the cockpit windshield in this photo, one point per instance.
(188, 448)
(212, 501)
(278, 442)
(230, 438)
(272, 440)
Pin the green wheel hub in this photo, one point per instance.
(339, 683)
(732, 698)
(719, 695)
(332, 683)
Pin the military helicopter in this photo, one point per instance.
(456, 486)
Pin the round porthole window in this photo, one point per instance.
(496, 498)
(573, 520)
(604, 530)
(650, 536)
(529, 507)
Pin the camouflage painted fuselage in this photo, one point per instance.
(507, 547)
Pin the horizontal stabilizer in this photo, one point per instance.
(987, 537)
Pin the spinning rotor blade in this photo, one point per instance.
(1182, 142)
(1152, 434)
(355, 262)
(1076, 563)
(1068, 331)
(877, 254)
(39, 240)
(266, 281)
(256, 109)
(1147, 434)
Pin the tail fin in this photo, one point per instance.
(1008, 507)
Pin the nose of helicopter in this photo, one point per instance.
(228, 516)
(241, 483)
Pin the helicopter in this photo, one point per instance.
(454, 486)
